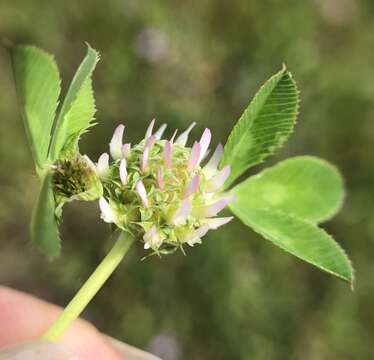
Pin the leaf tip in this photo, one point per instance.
(352, 279)
(91, 49)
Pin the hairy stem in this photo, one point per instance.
(90, 287)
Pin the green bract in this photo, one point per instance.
(164, 191)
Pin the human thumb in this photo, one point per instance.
(38, 350)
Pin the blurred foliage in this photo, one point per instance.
(236, 296)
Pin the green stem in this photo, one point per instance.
(90, 287)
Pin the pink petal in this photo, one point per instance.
(160, 131)
(192, 186)
(123, 171)
(212, 165)
(182, 138)
(147, 148)
(215, 223)
(126, 150)
(148, 133)
(115, 145)
(194, 157)
(107, 214)
(217, 181)
(144, 160)
(205, 142)
(168, 154)
(182, 212)
(140, 189)
(102, 167)
(160, 179)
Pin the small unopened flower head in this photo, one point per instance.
(78, 178)
(161, 191)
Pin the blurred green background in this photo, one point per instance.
(236, 296)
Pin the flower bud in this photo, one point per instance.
(76, 179)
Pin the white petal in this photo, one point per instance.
(126, 150)
(194, 241)
(152, 238)
(160, 131)
(205, 142)
(147, 148)
(115, 144)
(90, 163)
(192, 186)
(142, 193)
(195, 236)
(148, 133)
(217, 181)
(182, 213)
(182, 138)
(211, 210)
(148, 236)
(215, 223)
(123, 171)
(194, 156)
(205, 155)
(102, 167)
(107, 214)
(211, 167)
(173, 137)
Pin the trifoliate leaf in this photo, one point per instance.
(38, 87)
(44, 230)
(78, 109)
(264, 126)
(305, 186)
(298, 237)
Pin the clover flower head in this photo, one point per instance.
(162, 190)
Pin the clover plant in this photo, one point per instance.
(166, 193)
